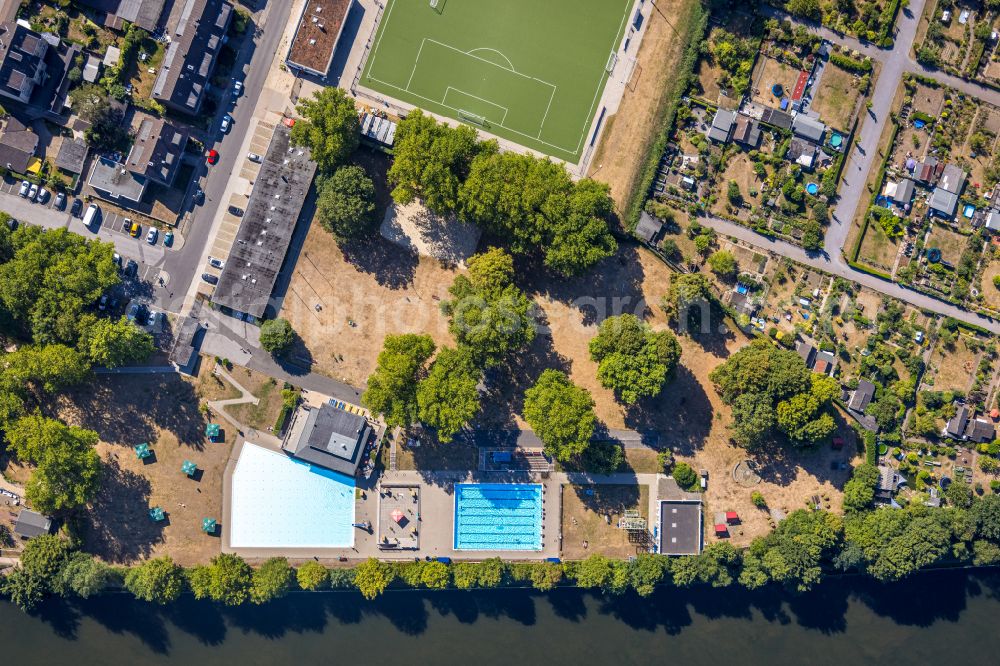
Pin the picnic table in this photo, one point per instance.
(189, 468)
(142, 451)
(157, 514)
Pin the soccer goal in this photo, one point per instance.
(612, 61)
(437, 5)
(473, 118)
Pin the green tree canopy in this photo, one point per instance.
(431, 160)
(893, 543)
(271, 580)
(228, 579)
(44, 557)
(346, 203)
(633, 360)
(794, 552)
(67, 468)
(312, 576)
(83, 575)
(329, 127)
(276, 336)
(687, 296)
(561, 414)
(716, 566)
(371, 577)
(392, 388)
(449, 396)
(112, 343)
(488, 314)
(723, 263)
(859, 491)
(158, 581)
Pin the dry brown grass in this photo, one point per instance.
(590, 519)
(630, 130)
(837, 96)
(951, 243)
(954, 368)
(877, 249)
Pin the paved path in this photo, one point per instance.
(137, 370)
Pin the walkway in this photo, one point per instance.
(246, 398)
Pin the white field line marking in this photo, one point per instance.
(416, 62)
(510, 65)
(481, 99)
(383, 23)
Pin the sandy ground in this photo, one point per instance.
(628, 132)
(377, 287)
(163, 411)
(590, 520)
(415, 228)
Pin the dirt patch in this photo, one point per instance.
(837, 96)
(364, 292)
(928, 100)
(630, 131)
(117, 527)
(954, 368)
(590, 517)
(418, 230)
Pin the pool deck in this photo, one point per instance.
(437, 513)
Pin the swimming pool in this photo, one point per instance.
(277, 501)
(498, 516)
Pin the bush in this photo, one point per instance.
(312, 576)
(276, 336)
(685, 476)
(758, 499)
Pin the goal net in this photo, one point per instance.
(474, 118)
(612, 61)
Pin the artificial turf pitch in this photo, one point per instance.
(530, 71)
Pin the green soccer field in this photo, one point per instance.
(530, 71)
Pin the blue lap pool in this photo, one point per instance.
(498, 516)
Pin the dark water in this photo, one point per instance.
(936, 618)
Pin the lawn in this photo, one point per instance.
(951, 243)
(526, 71)
(769, 72)
(590, 519)
(955, 367)
(990, 293)
(266, 389)
(877, 249)
(837, 96)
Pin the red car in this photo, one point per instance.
(213, 156)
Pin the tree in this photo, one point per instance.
(276, 336)
(561, 414)
(312, 576)
(893, 543)
(792, 554)
(684, 475)
(329, 127)
(449, 396)
(431, 160)
(107, 131)
(488, 314)
(83, 575)
(22, 588)
(371, 577)
(158, 581)
(392, 388)
(633, 361)
(986, 514)
(487, 574)
(646, 571)
(271, 580)
(597, 571)
(859, 491)
(228, 580)
(723, 263)
(688, 300)
(44, 557)
(435, 575)
(733, 193)
(959, 494)
(67, 468)
(346, 203)
(715, 566)
(113, 343)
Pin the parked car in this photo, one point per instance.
(168, 239)
(155, 321)
(42, 196)
(253, 157)
(25, 186)
(117, 258)
(131, 268)
(91, 216)
(60, 203)
(133, 228)
(216, 263)
(151, 236)
(227, 121)
(77, 208)
(199, 196)
(209, 278)
(32, 192)
(103, 303)
(136, 313)
(237, 89)
(12, 224)
(213, 157)
(236, 210)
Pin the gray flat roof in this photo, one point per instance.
(114, 181)
(680, 527)
(808, 128)
(72, 154)
(266, 229)
(31, 524)
(329, 437)
(943, 201)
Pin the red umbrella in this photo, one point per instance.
(397, 515)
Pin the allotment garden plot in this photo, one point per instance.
(529, 72)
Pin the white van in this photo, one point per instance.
(90, 217)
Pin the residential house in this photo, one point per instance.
(858, 403)
(197, 30)
(889, 481)
(22, 60)
(18, 145)
(92, 68)
(980, 431)
(952, 179)
(943, 202)
(113, 181)
(993, 221)
(72, 155)
(30, 524)
(158, 148)
(743, 303)
(801, 152)
(328, 436)
(808, 128)
(747, 131)
(807, 352)
(955, 428)
(722, 125)
(900, 193)
(776, 117)
(928, 171)
(143, 13)
(649, 229)
(316, 36)
(826, 363)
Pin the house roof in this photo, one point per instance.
(648, 228)
(329, 437)
(112, 56)
(808, 127)
(317, 34)
(952, 179)
(861, 396)
(196, 30)
(901, 192)
(143, 13)
(91, 68)
(31, 524)
(928, 170)
(158, 148)
(680, 527)
(722, 125)
(980, 430)
(747, 130)
(115, 181)
(955, 427)
(22, 55)
(17, 145)
(993, 220)
(183, 351)
(776, 117)
(806, 351)
(801, 152)
(943, 201)
(72, 155)
(888, 479)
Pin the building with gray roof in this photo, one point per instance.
(952, 179)
(266, 229)
(158, 148)
(680, 527)
(943, 202)
(722, 125)
(114, 182)
(72, 155)
(649, 228)
(328, 436)
(143, 13)
(808, 128)
(17, 145)
(31, 524)
(22, 60)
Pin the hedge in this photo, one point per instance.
(851, 64)
(869, 270)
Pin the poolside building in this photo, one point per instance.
(943, 202)
(329, 437)
(680, 527)
(808, 128)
